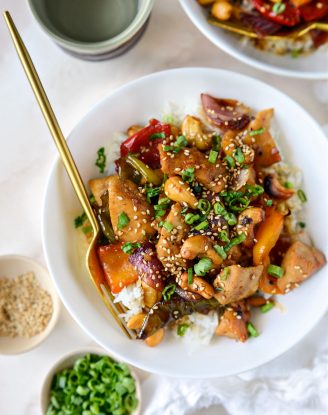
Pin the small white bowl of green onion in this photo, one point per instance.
(89, 382)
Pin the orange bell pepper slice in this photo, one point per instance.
(117, 268)
(267, 235)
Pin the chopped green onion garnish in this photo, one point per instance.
(302, 225)
(188, 175)
(101, 159)
(257, 132)
(301, 195)
(169, 148)
(230, 218)
(255, 190)
(239, 156)
(220, 251)
(130, 247)
(279, 8)
(219, 209)
(267, 307)
(269, 202)
(230, 161)
(191, 218)
(213, 156)
(295, 53)
(79, 220)
(216, 143)
(204, 206)
(168, 226)
(190, 275)
(197, 189)
(181, 141)
(223, 236)
(87, 229)
(156, 136)
(235, 241)
(252, 330)
(123, 220)
(224, 274)
(288, 185)
(168, 291)
(181, 329)
(275, 271)
(202, 225)
(152, 192)
(203, 266)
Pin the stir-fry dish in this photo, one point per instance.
(275, 18)
(201, 223)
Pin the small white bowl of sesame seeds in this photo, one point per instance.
(29, 304)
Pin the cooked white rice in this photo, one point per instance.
(132, 297)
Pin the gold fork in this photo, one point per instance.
(92, 262)
(240, 29)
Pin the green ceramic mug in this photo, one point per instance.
(93, 29)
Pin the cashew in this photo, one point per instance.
(176, 189)
(200, 246)
(136, 321)
(198, 286)
(222, 10)
(133, 129)
(193, 131)
(247, 220)
(155, 338)
(151, 296)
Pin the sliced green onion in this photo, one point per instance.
(230, 218)
(156, 136)
(295, 53)
(219, 209)
(87, 229)
(269, 202)
(123, 220)
(288, 185)
(202, 225)
(255, 190)
(235, 241)
(169, 148)
(181, 329)
(168, 226)
(239, 155)
(275, 271)
(267, 307)
(252, 330)
(130, 247)
(168, 291)
(301, 195)
(302, 225)
(230, 161)
(204, 206)
(203, 266)
(239, 204)
(224, 274)
(216, 143)
(257, 132)
(181, 141)
(101, 160)
(188, 175)
(79, 220)
(279, 8)
(223, 236)
(190, 275)
(220, 251)
(213, 156)
(191, 218)
(152, 192)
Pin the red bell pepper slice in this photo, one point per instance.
(289, 17)
(314, 10)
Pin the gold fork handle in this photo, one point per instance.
(52, 122)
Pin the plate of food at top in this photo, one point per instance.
(213, 222)
(287, 37)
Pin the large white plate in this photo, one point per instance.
(312, 66)
(303, 143)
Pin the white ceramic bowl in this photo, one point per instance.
(12, 266)
(67, 361)
(313, 66)
(303, 144)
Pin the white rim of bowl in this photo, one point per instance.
(52, 370)
(116, 354)
(251, 61)
(97, 48)
(54, 297)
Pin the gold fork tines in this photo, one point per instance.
(240, 29)
(92, 261)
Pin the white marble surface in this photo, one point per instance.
(27, 150)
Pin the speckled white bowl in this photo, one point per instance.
(68, 361)
(12, 266)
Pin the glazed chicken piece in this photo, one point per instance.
(236, 283)
(169, 243)
(125, 199)
(299, 263)
(233, 322)
(212, 176)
